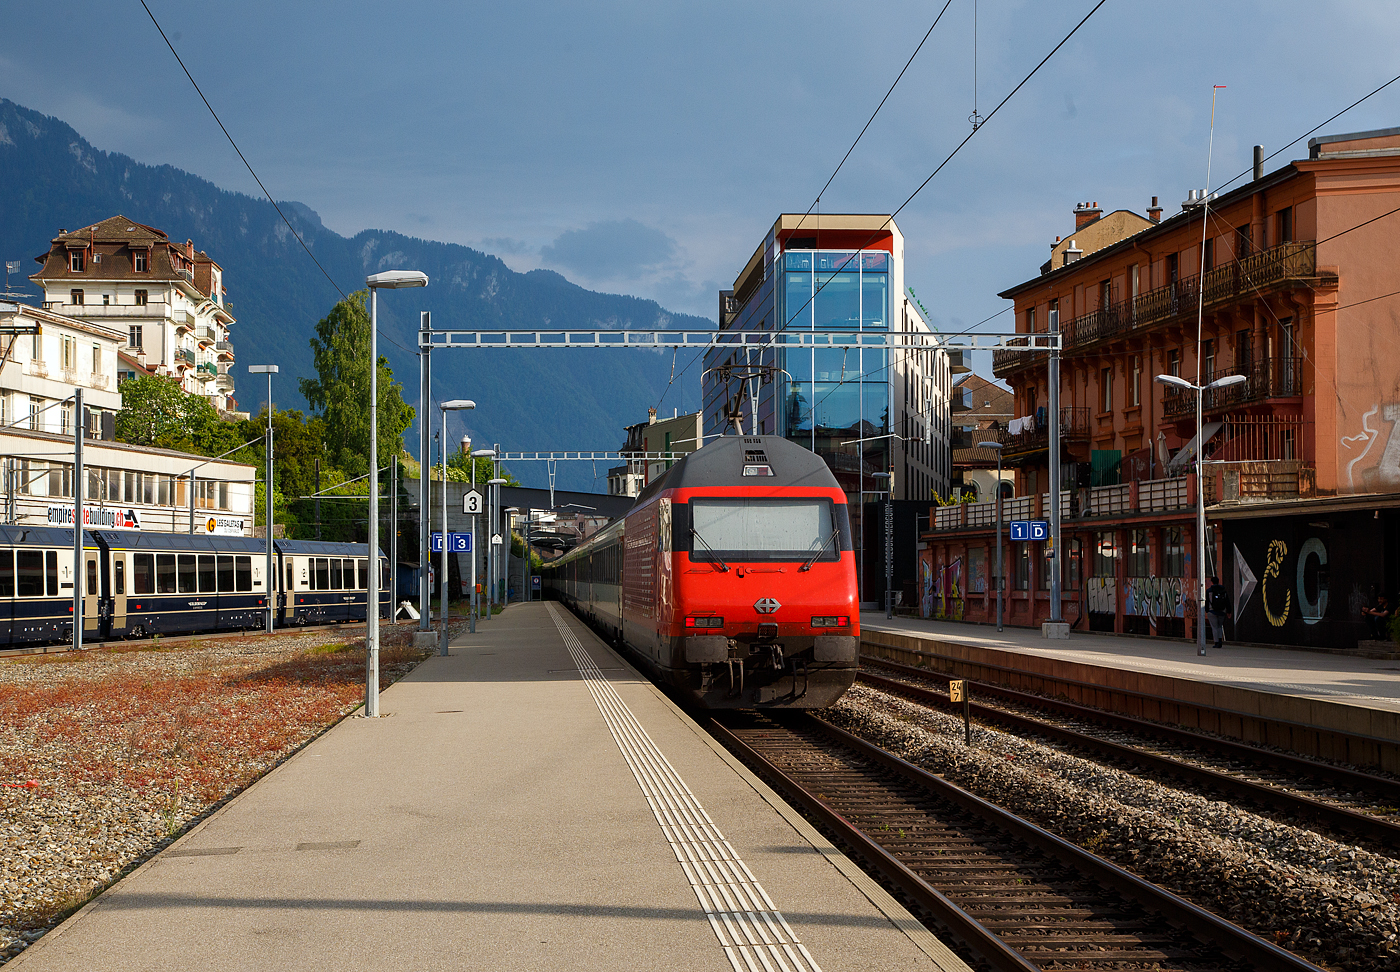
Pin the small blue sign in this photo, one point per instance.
(1030, 530)
(457, 543)
(535, 582)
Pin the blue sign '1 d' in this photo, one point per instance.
(1030, 530)
(456, 543)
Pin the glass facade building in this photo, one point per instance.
(880, 419)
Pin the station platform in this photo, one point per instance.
(1341, 693)
(529, 802)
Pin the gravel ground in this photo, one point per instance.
(107, 756)
(1334, 903)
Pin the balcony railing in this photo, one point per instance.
(205, 335)
(1154, 496)
(1074, 426)
(1279, 264)
(1267, 378)
(184, 356)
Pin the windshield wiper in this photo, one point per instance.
(820, 550)
(722, 565)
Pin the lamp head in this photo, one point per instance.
(1227, 381)
(457, 404)
(497, 482)
(1174, 382)
(991, 445)
(397, 279)
(262, 369)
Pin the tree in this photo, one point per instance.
(156, 411)
(459, 469)
(340, 392)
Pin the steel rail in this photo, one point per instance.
(982, 940)
(439, 339)
(1284, 762)
(1260, 794)
(1177, 911)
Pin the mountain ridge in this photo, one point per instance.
(526, 401)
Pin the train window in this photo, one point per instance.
(7, 573)
(188, 574)
(363, 567)
(118, 575)
(92, 577)
(349, 566)
(29, 572)
(291, 576)
(51, 572)
(749, 529)
(323, 574)
(243, 573)
(208, 576)
(143, 570)
(225, 574)
(165, 573)
(337, 579)
(383, 575)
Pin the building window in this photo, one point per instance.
(69, 353)
(1207, 361)
(1135, 389)
(25, 477)
(1105, 294)
(65, 426)
(1105, 555)
(133, 335)
(75, 297)
(106, 299)
(36, 405)
(1054, 315)
(1106, 390)
(1139, 563)
(97, 359)
(1174, 362)
(140, 298)
(1208, 254)
(139, 264)
(1242, 241)
(1173, 552)
(1285, 225)
(75, 261)
(1030, 320)
(1021, 567)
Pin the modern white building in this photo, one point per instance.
(679, 433)
(165, 298)
(44, 358)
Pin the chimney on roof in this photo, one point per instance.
(1154, 212)
(1072, 253)
(1258, 162)
(189, 249)
(1056, 243)
(651, 416)
(1086, 213)
(61, 231)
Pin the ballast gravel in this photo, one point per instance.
(1336, 904)
(108, 755)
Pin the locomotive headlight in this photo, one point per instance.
(831, 621)
(704, 622)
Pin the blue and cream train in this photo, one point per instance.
(137, 584)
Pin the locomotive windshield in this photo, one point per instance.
(741, 528)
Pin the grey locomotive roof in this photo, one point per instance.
(721, 463)
(136, 540)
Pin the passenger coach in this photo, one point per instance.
(732, 578)
(137, 584)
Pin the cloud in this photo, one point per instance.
(611, 250)
(499, 245)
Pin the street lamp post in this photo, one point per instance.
(998, 447)
(456, 405)
(476, 605)
(270, 585)
(1174, 381)
(494, 561)
(388, 280)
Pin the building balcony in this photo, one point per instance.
(1074, 427)
(1123, 499)
(184, 358)
(224, 349)
(1279, 267)
(205, 335)
(1267, 378)
(206, 370)
(223, 383)
(956, 364)
(184, 320)
(152, 310)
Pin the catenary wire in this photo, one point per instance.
(248, 165)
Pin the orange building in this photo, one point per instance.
(1293, 281)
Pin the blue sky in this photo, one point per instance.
(644, 148)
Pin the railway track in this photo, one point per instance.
(1344, 800)
(348, 628)
(1019, 897)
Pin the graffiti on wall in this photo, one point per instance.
(925, 589)
(1155, 597)
(1384, 467)
(1103, 595)
(948, 592)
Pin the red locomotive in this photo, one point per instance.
(732, 579)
